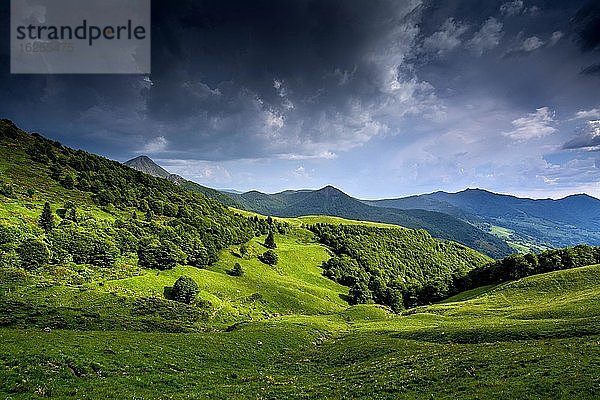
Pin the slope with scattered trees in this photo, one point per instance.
(391, 266)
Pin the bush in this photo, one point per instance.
(33, 254)
(184, 290)
(270, 241)
(237, 270)
(6, 189)
(85, 246)
(269, 257)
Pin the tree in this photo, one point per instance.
(360, 293)
(46, 219)
(243, 249)
(70, 211)
(185, 289)
(157, 255)
(270, 241)
(68, 181)
(33, 254)
(269, 257)
(237, 270)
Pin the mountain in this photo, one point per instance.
(146, 165)
(332, 201)
(527, 222)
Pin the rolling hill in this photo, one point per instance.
(530, 222)
(332, 201)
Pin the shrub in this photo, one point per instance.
(47, 219)
(33, 254)
(270, 241)
(185, 289)
(85, 246)
(243, 250)
(269, 257)
(6, 189)
(237, 270)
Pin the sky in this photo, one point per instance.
(380, 98)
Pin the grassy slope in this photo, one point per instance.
(294, 285)
(537, 338)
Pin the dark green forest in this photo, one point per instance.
(394, 267)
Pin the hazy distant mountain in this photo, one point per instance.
(334, 202)
(546, 222)
(148, 166)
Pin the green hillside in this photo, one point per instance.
(395, 267)
(333, 202)
(88, 304)
(533, 338)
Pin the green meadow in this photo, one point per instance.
(536, 338)
(104, 326)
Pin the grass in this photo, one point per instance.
(279, 332)
(320, 219)
(536, 338)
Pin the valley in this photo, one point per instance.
(348, 308)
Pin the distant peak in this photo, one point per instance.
(147, 165)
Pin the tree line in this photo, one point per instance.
(403, 268)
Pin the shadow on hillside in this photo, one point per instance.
(345, 297)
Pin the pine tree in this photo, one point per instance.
(270, 241)
(46, 219)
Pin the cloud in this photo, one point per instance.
(324, 155)
(593, 69)
(197, 171)
(155, 145)
(585, 23)
(534, 125)
(555, 38)
(532, 43)
(487, 37)
(524, 46)
(282, 92)
(512, 8)
(593, 113)
(587, 139)
(446, 39)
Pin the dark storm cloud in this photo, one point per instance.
(234, 79)
(287, 73)
(588, 137)
(586, 24)
(593, 69)
(399, 88)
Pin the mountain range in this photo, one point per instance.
(533, 223)
(147, 165)
(495, 224)
(333, 202)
